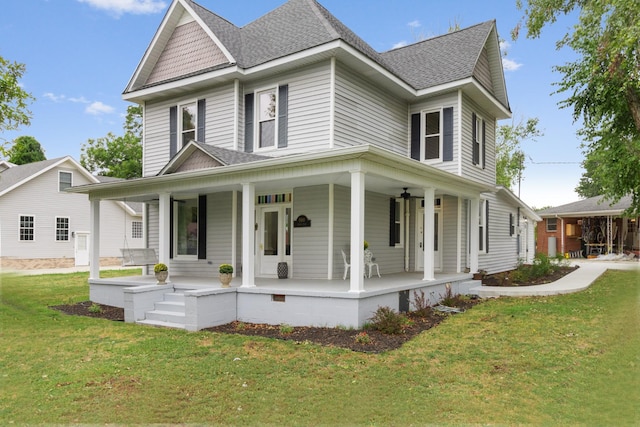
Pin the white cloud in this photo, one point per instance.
(53, 97)
(136, 7)
(414, 24)
(504, 45)
(96, 108)
(510, 65)
(399, 44)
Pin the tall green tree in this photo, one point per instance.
(509, 154)
(603, 85)
(117, 156)
(25, 149)
(589, 184)
(14, 100)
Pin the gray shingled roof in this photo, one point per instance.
(441, 59)
(590, 205)
(17, 174)
(230, 157)
(299, 25)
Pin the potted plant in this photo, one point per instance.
(479, 275)
(226, 274)
(162, 272)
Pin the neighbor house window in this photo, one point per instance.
(432, 135)
(65, 180)
(27, 227)
(267, 118)
(552, 224)
(189, 114)
(62, 229)
(136, 229)
(186, 227)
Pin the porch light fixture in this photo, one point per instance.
(405, 195)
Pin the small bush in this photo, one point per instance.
(420, 304)
(286, 329)
(363, 338)
(388, 321)
(95, 308)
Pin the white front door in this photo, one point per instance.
(437, 253)
(82, 248)
(273, 239)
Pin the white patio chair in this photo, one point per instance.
(369, 262)
(346, 265)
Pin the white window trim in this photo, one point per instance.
(176, 256)
(479, 121)
(181, 142)
(401, 221)
(423, 135)
(546, 224)
(55, 228)
(256, 118)
(482, 223)
(60, 181)
(20, 227)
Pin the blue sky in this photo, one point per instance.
(80, 55)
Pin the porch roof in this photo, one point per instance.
(386, 172)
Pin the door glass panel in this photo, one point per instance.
(287, 231)
(271, 233)
(187, 227)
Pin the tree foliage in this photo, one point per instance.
(509, 154)
(25, 149)
(117, 156)
(603, 85)
(14, 99)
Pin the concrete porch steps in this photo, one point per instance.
(170, 313)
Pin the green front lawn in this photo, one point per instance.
(572, 359)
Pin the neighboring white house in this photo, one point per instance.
(44, 226)
(281, 144)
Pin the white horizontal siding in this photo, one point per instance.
(376, 233)
(341, 227)
(469, 170)
(310, 243)
(365, 114)
(503, 248)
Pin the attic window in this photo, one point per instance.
(65, 180)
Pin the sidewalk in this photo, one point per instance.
(576, 281)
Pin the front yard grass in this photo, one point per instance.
(572, 359)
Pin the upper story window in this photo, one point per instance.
(27, 227)
(432, 135)
(189, 114)
(266, 119)
(478, 135)
(65, 180)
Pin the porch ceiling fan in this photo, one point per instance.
(404, 194)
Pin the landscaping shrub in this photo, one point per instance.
(387, 321)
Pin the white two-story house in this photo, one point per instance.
(290, 140)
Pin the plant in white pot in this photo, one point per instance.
(226, 274)
(162, 272)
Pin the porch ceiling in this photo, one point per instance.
(385, 172)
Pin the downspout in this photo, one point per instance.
(562, 236)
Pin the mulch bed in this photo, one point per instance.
(503, 279)
(337, 337)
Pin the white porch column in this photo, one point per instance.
(474, 237)
(94, 239)
(248, 234)
(429, 233)
(459, 237)
(356, 282)
(164, 229)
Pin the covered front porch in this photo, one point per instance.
(194, 303)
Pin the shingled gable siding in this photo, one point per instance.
(365, 114)
(219, 125)
(487, 174)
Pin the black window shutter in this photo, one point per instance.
(475, 156)
(202, 118)
(283, 108)
(173, 131)
(484, 145)
(415, 137)
(202, 226)
(486, 227)
(392, 222)
(248, 123)
(447, 135)
(171, 228)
